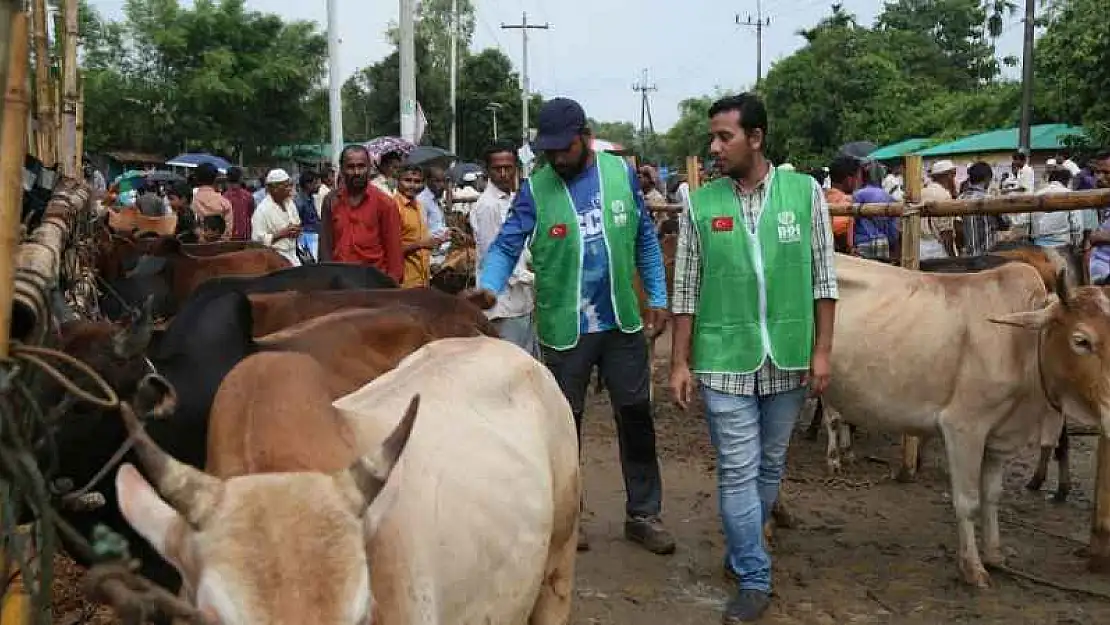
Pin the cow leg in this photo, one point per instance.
(991, 487)
(553, 604)
(817, 420)
(831, 420)
(1063, 467)
(1041, 472)
(965, 451)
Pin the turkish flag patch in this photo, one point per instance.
(722, 224)
(558, 231)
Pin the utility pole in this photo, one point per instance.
(494, 107)
(759, 23)
(524, 26)
(645, 109)
(408, 72)
(1027, 78)
(335, 84)
(454, 73)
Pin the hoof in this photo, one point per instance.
(977, 577)
(905, 476)
(833, 467)
(1061, 495)
(1035, 483)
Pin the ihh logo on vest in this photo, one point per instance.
(620, 214)
(789, 230)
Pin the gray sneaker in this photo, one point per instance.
(746, 607)
(649, 532)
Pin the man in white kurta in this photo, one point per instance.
(275, 222)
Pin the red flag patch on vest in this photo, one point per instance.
(722, 224)
(558, 231)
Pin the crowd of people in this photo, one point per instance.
(1077, 235)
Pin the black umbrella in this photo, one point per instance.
(858, 149)
(427, 154)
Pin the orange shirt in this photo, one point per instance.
(842, 227)
(413, 229)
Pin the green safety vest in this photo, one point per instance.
(557, 252)
(756, 297)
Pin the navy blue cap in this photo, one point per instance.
(560, 121)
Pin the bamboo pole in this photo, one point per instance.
(693, 173)
(70, 158)
(1018, 203)
(911, 243)
(80, 127)
(44, 99)
(15, 606)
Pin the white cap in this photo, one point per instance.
(277, 176)
(786, 167)
(942, 166)
(1050, 162)
(470, 176)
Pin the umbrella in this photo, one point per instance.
(381, 146)
(458, 171)
(427, 154)
(193, 160)
(858, 149)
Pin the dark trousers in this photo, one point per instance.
(623, 362)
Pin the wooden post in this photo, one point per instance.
(44, 98)
(70, 158)
(1099, 549)
(15, 606)
(693, 173)
(80, 127)
(911, 238)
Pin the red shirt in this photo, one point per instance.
(242, 209)
(369, 233)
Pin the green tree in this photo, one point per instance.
(1073, 71)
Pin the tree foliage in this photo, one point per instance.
(213, 76)
(1073, 65)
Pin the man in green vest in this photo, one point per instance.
(754, 299)
(589, 235)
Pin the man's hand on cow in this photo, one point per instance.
(482, 298)
(655, 322)
(820, 372)
(682, 384)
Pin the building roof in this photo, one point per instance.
(1043, 137)
(900, 149)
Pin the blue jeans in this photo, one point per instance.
(751, 435)
(521, 332)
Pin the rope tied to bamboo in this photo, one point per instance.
(38, 356)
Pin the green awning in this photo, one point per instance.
(1043, 137)
(898, 150)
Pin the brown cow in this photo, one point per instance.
(444, 313)
(188, 272)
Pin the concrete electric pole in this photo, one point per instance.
(524, 26)
(759, 23)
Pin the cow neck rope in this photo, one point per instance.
(1053, 402)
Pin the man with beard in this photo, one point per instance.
(589, 235)
(754, 300)
(358, 223)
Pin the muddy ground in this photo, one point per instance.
(866, 549)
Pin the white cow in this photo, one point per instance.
(939, 353)
(462, 510)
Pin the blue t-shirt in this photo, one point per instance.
(871, 228)
(596, 309)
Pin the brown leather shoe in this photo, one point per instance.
(649, 532)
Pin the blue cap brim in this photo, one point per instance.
(555, 141)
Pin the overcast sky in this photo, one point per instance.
(596, 49)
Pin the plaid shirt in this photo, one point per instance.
(769, 379)
(979, 233)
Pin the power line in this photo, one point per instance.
(759, 23)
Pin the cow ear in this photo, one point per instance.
(1031, 320)
(147, 513)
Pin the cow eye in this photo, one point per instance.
(1081, 344)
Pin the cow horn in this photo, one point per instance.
(132, 341)
(1062, 288)
(369, 473)
(192, 493)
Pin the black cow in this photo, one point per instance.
(151, 278)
